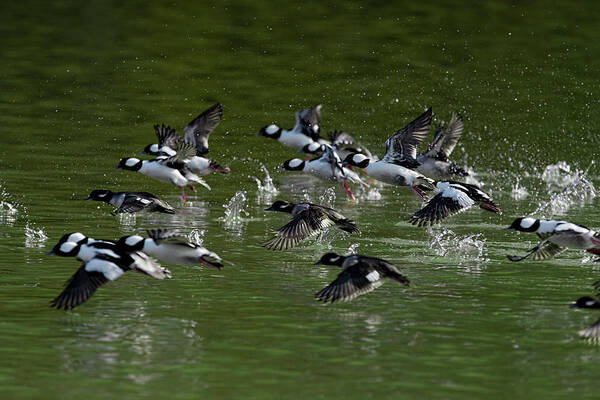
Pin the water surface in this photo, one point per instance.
(81, 87)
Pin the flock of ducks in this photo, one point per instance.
(181, 161)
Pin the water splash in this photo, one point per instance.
(352, 248)
(235, 211)
(327, 198)
(195, 237)
(266, 188)
(34, 237)
(449, 244)
(573, 189)
(127, 219)
(373, 194)
(305, 196)
(558, 176)
(8, 213)
(518, 192)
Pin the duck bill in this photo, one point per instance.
(270, 209)
(279, 169)
(220, 170)
(318, 263)
(88, 198)
(208, 263)
(51, 253)
(574, 305)
(491, 207)
(509, 228)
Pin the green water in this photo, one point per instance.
(81, 86)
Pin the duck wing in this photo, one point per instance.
(542, 251)
(82, 285)
(441, 206)
(166, 136)
(360, 278)
(197, 131)
(306, 223)
(445, 139)
(402, 145)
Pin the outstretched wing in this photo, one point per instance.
(445, 140)
(80, 287)
(305, 224)
(402, 145)
(166, 136)
(133, 204)
(184, 151)
(168, 236)
(198, 130)
(359, 279)
(542, 251)
(592, 332)
(308, 122)
(442, 206)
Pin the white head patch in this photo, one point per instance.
(67, 246)
(315, 128)
(76, 237)
(130, 162)
(133, 240)
(358, 158)
(334, 259)
(295, 163)
(314, 147)
(271, 129)
(154, 148)
(527, 222)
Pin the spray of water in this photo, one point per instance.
(266, 189)
(518, 192)
(566, 188)
(235, 211)
(34, 237)
(352, 248)
(327, 198)
(127, 219)
(448, 244)
(8, 213)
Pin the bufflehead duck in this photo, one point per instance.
(452, 198)
(172, 169)
(396, 167)
(435, 161)
(308, 220)
(86, 250)
(556, 237)
(593, 331)
(196, 132)
(100, 270)
(168, 246)
(195, 162)
(327, 167)
(305, 131)
(342, 143)
(131, 202)
(360, 274)
(77, 238)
